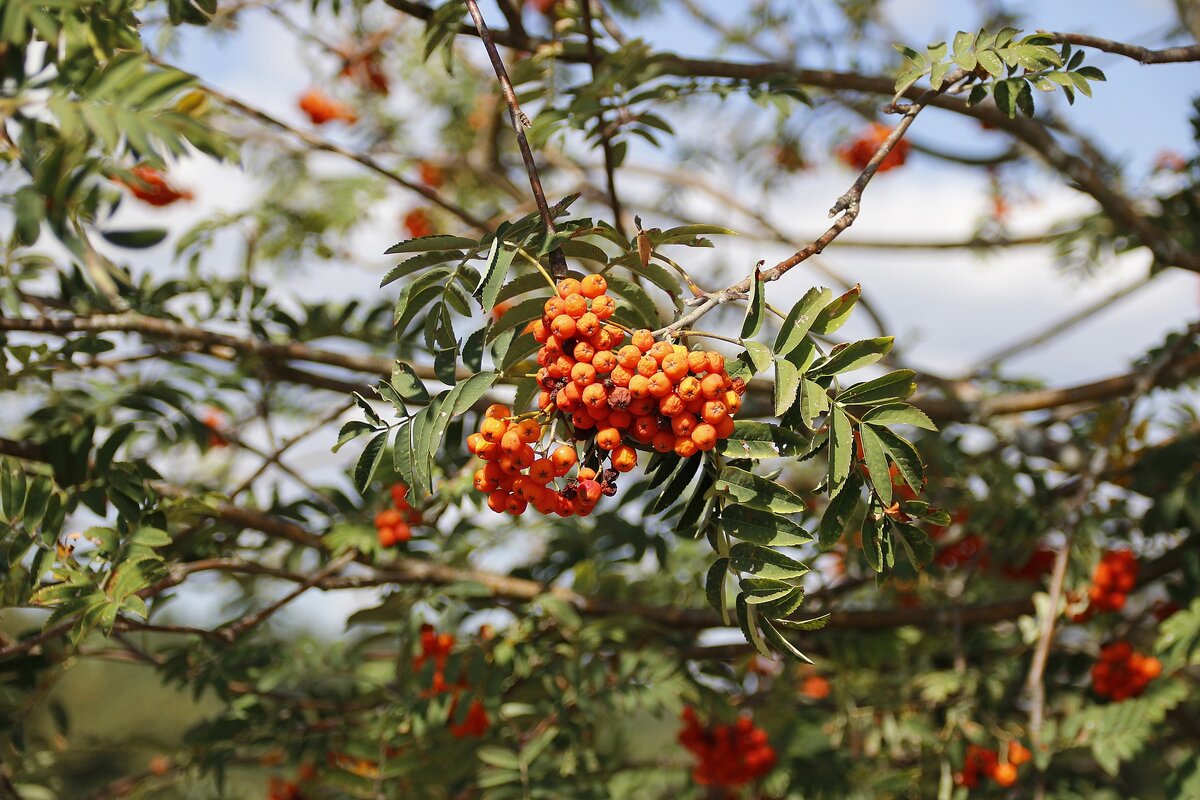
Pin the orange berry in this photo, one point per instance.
(1018, 754)
(675, 367)
(644, 428)
(705, 436)
(575, 305)
(402, 532)
(1005, 775)
(647, 366)
(589, 491)
(1151, 668)
(610, 337)
(619, 419)
(497, 411)
(516, 505)
(474, 441)
(483, 483)
(643, 340)
(628, 356)
(716, 361)
(582, 420)
(663, 442)
(714, 411)
(608, 438)
(604, 361)
(540, 330)
(685, 448)
(386, 536)
(493, 429)
(588, 325)
(604, 307)
(593, 286)
(583, 374)
(595, 396)
(624, 458)
(621, 376)
(498, 501)
(554, 306)
(688, 389)
(725, 428)
(511, 442)
(529, 431)
(712, 386)
(661, 350)
(683, 425)
(670, 406)
(584, 352)
(563, 459)
(660, 386)
(563, 326)
(568, 287)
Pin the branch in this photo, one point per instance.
(1143, 55)
(847, 206)
(558, 262)
(1085, 175)
(614, 202)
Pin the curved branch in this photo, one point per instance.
(1142, 55)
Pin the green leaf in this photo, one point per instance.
(781, 642)
(787, 385)
(876, 461)
(763, 528)
(814, 624)
(29, 207)
(898, 414)
(990, 61)
(755, 308)
(1006, 97)
(852, 356)
(135, 239)
(351, 430)
(498, 757)
(907, 459)
(467, 393)
(897, 385)
(835, 314)
(685, 234)
(759, 355)
(408, 385)
(714, 588)
(800, 319)
(753, 439)
(424, 244)
(964, 50)
(369, 461)
(814, 401)
(916, 543)
(837, 514)
(756, 492)
(841, 447)
(518, 316)
(748, 621)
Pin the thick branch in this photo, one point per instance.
(1143, 55)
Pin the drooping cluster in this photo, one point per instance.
(394, 525)
(607, 395)
(727, 756)
(984, 763)
(1112, 580)
(321, 108)
(151, 186)
(1121, 672)
(859, 152)
(435, 649)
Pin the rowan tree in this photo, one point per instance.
(571, 496)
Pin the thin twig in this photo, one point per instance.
(558, 263)
(614, 202)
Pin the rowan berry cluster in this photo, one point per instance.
(435, 648)
(859, 152)
(727, 756)
(605, 394)
(983, 762)
(417, 223)
(1122, 672)
(1113, 579)
(394, 525)
(321, 108)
